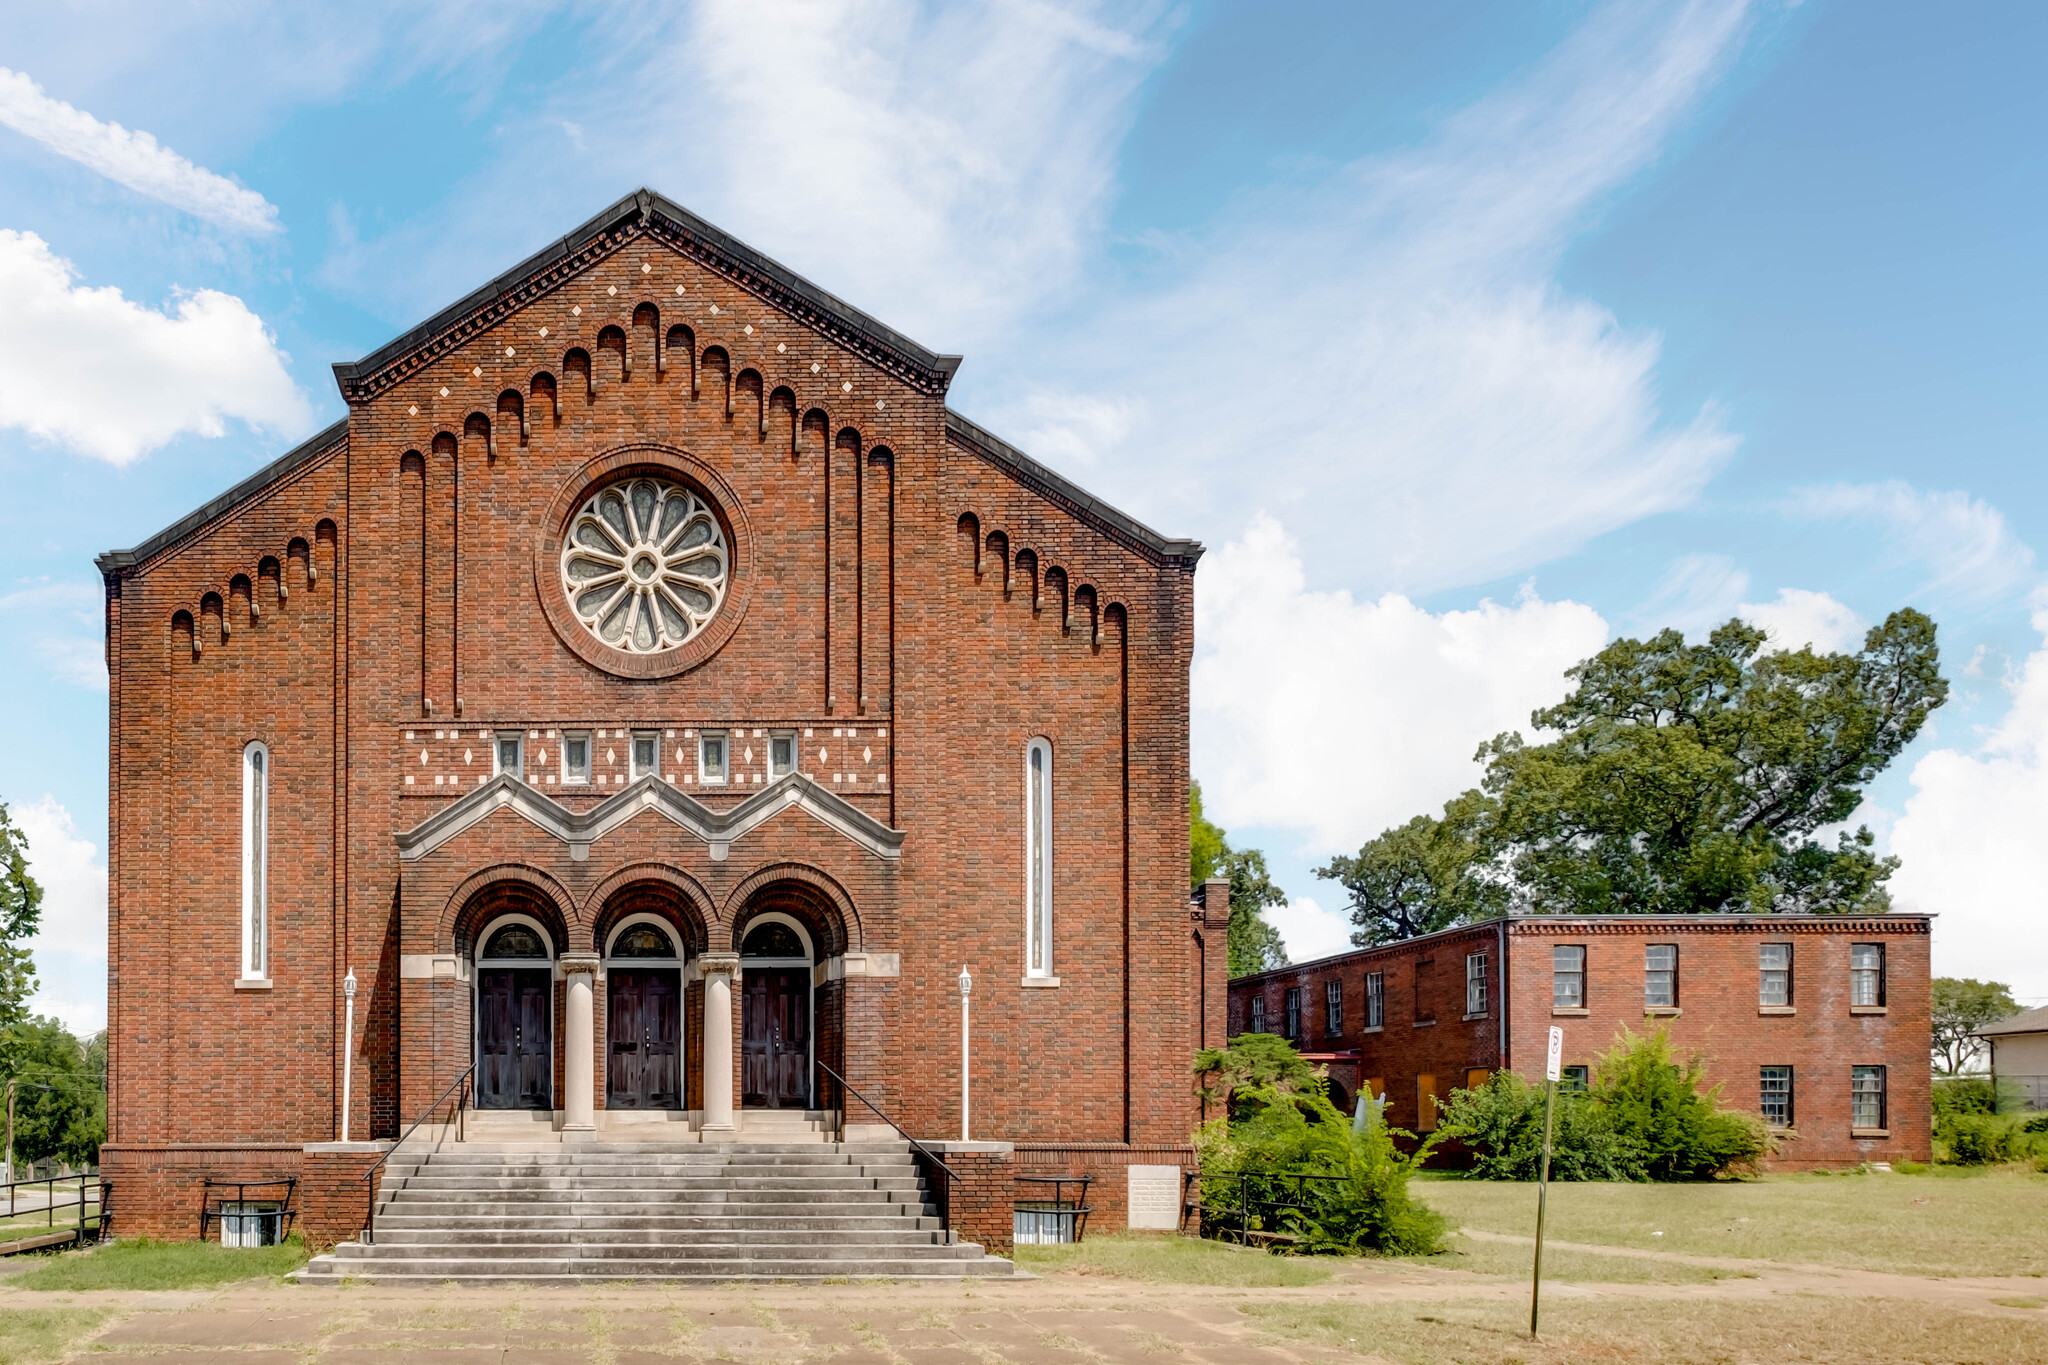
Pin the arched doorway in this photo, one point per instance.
(515, 1015)
(644, 1015)
(776, 1015)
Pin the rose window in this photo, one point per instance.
(644, 565)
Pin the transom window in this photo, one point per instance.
(1660, 976)
(515, 942)
(644, 565)
(772, 938)
(1568, 976)
(1774, 965)
(643, 940)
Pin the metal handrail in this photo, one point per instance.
(370, 1229)
(50, 1204)
(923, 1150)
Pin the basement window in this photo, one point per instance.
(252, 1223)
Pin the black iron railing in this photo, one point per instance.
(48, 1185)
(922, 1150)
(370, 1226)
(1068, 1216)
(211, 1209)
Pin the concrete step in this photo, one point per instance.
(844, 1177)
(893, 1233)
(596, 1224)
(434, 1270)
(398, 1252)
(666, 1199)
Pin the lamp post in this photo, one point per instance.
(966, 987)
(348, 1047)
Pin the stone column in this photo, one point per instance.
(579, 1040)
(719, 971)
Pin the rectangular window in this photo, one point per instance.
(1333, 1008)
(256, 1223)
(1866, 1097)
(1866, 974)
(1425, 1104)
(1038, 859)
(781, 753)
(1475, 983)
(509, 756)
(575, 758)
(1425, 1004)
(1568, 977)
(1576, 1078)
(1660, 976)
(1293, 1013)
(711, 757)
(1774, 1100)
(1774, 975)
(1258, 1016)
(255, 861)
(1375, 999)
(646, 753)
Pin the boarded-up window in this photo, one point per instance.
(1425, 1104)
(1475, 1077)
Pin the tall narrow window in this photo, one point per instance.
(1866, 974)
(1775, 1095)
(646, 753)
(1568, 976)
(1475, 983)
(509, 754)
(1333, 1008)
(1660, 976)
(1774, 963)
(1375, 999)
(255, 860)
(1294, 1013)
(1038, 859)
(781, 753)
(1866, 1097)
(711, 757)
(1258, 1016)
(576, 758)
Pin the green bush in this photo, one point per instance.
(1984, 1139)
(2035, 1123)
(1909, 1168)
(1955, 1095)
(1644, 1118)
(1501, 1123)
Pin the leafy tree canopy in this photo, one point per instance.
(1682, 779)
(1961, 1006)
(21, 910)
(60, 1106)
(1253, 944)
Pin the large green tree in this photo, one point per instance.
(1676, 779)
(1961, 1006)
(1253, 945)
(60, 1109)
(21, 910)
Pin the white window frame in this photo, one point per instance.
(570, 776)
(251, 1223)
(1765, 1089)
(776, 737)
(1038, 862)
(1766, 973)
(1651, 973)
(256, 766)
(634, 740)
(1857, 1092)
(1873, 976)
(705, 775)
(1475, 985)
(518, 742)
(1375, 1001)
(1255, 1017)
(1576, 974)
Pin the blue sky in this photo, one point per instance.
(1467, 337)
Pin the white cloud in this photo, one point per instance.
(1338, 718)
(1387, 349)
(1696, 593)
(1971, 847)
(82, 663)
(1309, 930)
(114, 379)
(1800, 617)
(1971, 552)
(134, 159)
(73, 875)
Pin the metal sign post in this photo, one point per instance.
(348, 1049)
(1552, 1069)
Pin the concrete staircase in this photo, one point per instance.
(527, 1212)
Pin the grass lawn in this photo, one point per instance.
(143, 1264)
(1506, 1258)
(1806, 1328)
(1987, 1223)
(1164, 1258)
(30, 1335)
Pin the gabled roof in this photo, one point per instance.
(2026, 1021)
(579, 829)
(674, 225)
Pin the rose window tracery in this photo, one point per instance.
(644, 565)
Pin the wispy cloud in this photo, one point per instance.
(1798, 617)
(113, 379)
(1968, 548)
(1696, 593)
(132, 158)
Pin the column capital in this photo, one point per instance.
(576, 963)
(722, 964)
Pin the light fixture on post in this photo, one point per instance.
(348, 1046)
(966, 988)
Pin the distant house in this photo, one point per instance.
(2019, 1053)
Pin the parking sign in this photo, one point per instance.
(1553, 1068)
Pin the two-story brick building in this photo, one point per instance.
(1819, 1024)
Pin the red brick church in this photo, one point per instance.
(653, 695)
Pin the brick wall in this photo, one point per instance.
(1109, 1195)
(160, 1190)
(978, 1206)
(335, 1198)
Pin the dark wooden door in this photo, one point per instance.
(514, 1048)
(645, 1035)
(775, 1042)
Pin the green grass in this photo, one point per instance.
(143, 1264)
(1909, 1224)
(1169, 1259)
(1512, 1260)
(32, 1335)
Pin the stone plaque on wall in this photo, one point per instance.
(1154, 1198)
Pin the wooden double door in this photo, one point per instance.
(644, 1066)
(775, 1038)
(515, 1051)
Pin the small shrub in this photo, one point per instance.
(1955, 1095)
(2035, 1123)
(1909, 1168)
(1655, 1104)
(1501, 1123)
(1975, 1139)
